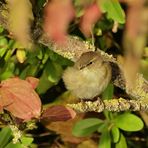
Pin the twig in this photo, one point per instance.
(114, 105)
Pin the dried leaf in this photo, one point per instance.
(91, 15)
(19, 98)
(64, 128)
(58, 15)
(88, 144)
(58, 113)
(20, 16)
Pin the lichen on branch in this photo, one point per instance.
(114, 105)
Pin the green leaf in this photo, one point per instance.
(51, 75)
(108, 92)
(113, 9)
(23, 74)
(1, 29)
(105, 24)
(54, 72)
(129, 122)
(32, 70)
(102, 127)
(5, 136)
(115, 134)
(86, 127)
(40, 54)
(3, 46)
(44, 83)
(17, 145)
(122, 142)
(59, 59)
(26, 140)
(105, 140)
(40, 3)
(7, 70)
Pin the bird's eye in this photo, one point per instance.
(85, 65)
(89, 63)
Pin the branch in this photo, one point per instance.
(3, 15)
(114, 105)
(71, 49)
(75, 47)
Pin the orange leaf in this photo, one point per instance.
(58, 15)
(90, 17)
(33, 81)
(64, 129)
(19, 98)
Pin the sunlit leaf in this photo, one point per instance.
(26, 140)
(11, 145)
(108, 93)
(113, 9)
(129, 122)
(3, 46)
(105, 140)
(122, 142)
(102, 127)
(5, 136)
(86, 127)
(115, 134)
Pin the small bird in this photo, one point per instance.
(88, 77)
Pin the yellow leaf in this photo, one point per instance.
(21, 55)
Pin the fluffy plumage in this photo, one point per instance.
(88, 77)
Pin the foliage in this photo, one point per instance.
(111, 127)
(23, 56)
(5, 141)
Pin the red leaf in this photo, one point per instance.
(133, 17)
(58, 113)
(19, 98)
(58, 15)
(90, 17)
